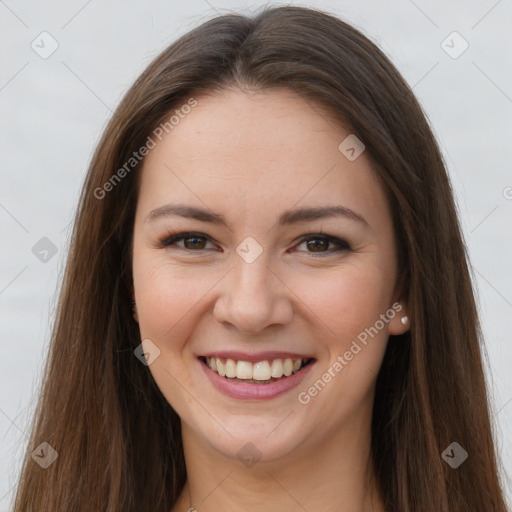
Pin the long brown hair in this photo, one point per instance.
(118, 440)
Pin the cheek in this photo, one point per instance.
(166, 297)
(344, 300)
(348, 305)
(168, 301)
(165, 303)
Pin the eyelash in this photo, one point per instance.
(342, 245)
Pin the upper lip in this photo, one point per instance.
(255, 357)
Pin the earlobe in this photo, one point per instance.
(133, 304)
(400, 322)
(134, 311)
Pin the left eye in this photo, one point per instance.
(317, 244)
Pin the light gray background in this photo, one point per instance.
(53, 110)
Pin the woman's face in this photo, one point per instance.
(258, 287)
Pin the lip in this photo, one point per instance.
(269, 355)
(242, 391)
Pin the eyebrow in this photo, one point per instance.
(287, 218)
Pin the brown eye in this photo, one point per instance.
(194, 242)
(191, 241)
(319, 244)
(315, 244)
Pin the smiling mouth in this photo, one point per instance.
(261, 372)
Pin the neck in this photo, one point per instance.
(336, 476)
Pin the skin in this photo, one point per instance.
(250, 156)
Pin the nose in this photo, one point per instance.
(253, 297)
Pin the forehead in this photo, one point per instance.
(270, 149)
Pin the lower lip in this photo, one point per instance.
(255, 391)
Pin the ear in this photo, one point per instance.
(400, 323)
(135, 314)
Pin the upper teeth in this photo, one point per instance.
(262, 370)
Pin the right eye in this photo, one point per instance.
(193, 242)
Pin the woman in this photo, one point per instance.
(267, 303)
